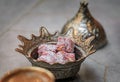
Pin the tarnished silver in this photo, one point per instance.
(84, 24)
(60, 71)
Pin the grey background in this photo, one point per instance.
(26, 16)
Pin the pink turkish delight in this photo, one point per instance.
(61, 53)
(63, 57)
(47, 56)
(46, 47)
(65, 44)
(61, 44)
(69, 45)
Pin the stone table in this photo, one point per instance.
(30, 15)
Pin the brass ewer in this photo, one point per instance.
(86, 25)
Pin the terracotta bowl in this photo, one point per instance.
(83, 49)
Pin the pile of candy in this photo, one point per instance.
(61, 53)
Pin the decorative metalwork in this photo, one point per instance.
(59, 70)
(84, 45)
(86, 25)
(29, 45)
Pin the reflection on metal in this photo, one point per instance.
(28, 74)
(59, 70)
(84, 24)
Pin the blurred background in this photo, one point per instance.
(27, 16)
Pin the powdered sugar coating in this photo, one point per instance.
(46, 47)
(65, 44)
(61, 53)
(47, 56)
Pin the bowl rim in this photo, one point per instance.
(29, 68)
(56, 63)
(28, 45)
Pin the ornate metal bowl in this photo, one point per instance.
(60, 71)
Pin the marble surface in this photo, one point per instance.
(29, 15)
